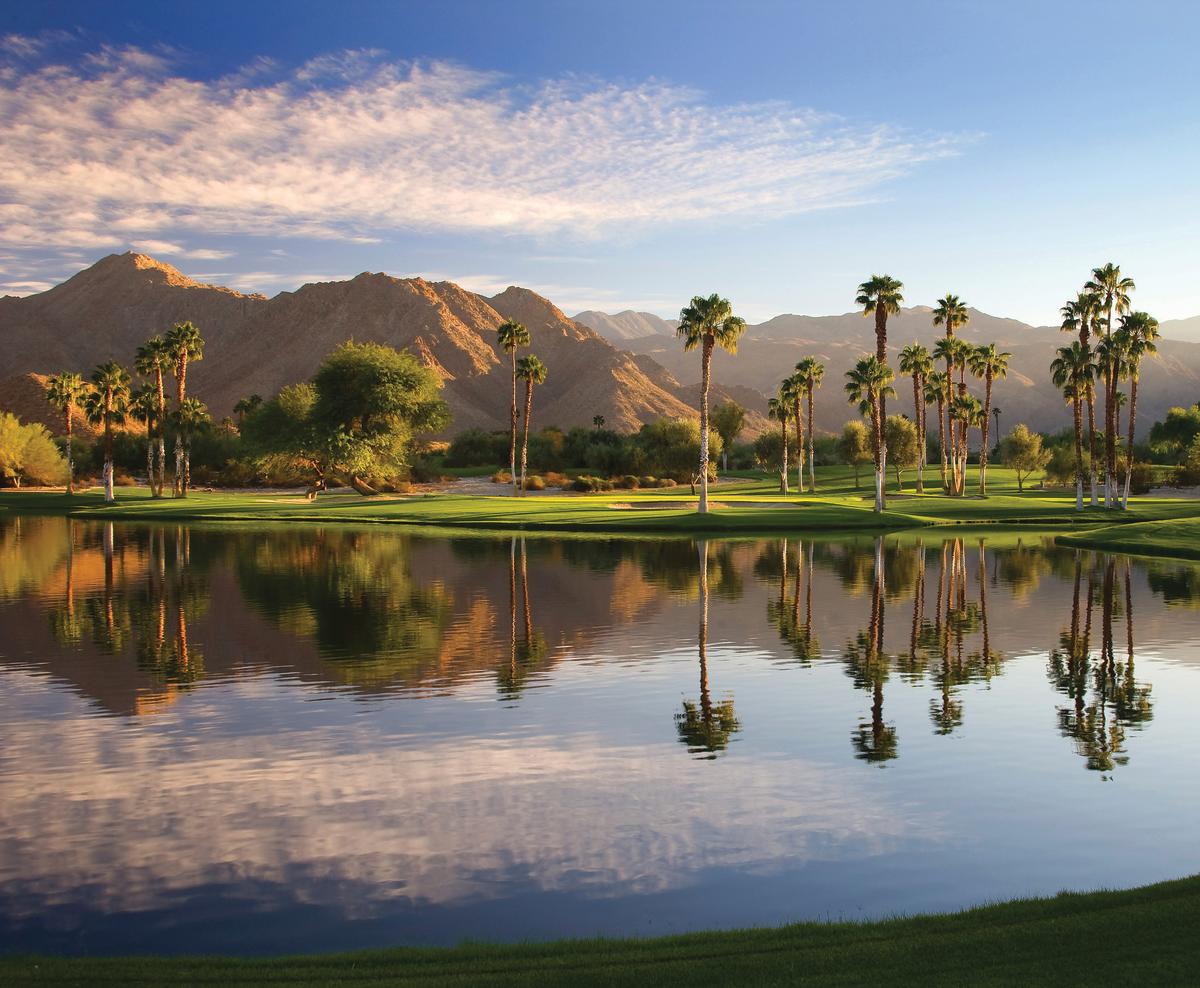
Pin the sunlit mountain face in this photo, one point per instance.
(215, 738)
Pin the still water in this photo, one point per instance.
(234, 741)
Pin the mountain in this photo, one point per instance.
(770, 349)
(256, 344)
(627, 325)
(1181, 329)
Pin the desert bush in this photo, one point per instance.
(629, 482)
(553, 479)
(648, 481)
(1141, 479)
(477, 448)
(502, 477)
(535, 483)
(666, 482)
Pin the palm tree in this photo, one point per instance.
(64, 391)
(184, 345)
(1138, 330)
(793, 389)
(967, 411)
(813, 372)
(916, 362)
(954, 351)
(867, 383)
(598, 421)
(532, 371)
(937, 390)
(511, 335)
(989, 364)
(143, 406)
(1078, 313)
(1112, 291)
(1111, 363)
(1073, 371)
(191, 418)
(106, 405)
(708, 323)
(779, 409)
(153, 357)
(244, 406)
(952, 313)
(880, 296)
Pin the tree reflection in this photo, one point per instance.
(785, 613)
(527, 652)
(705, 727)
(1106, 698)
(868, 665)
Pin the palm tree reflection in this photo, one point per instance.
(868, 665)
(706, 727)
(527, 652)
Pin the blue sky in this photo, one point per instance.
(612, 155)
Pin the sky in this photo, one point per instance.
(612, 155)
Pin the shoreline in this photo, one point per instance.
(1030, 941)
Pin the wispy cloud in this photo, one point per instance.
(354, 147)
(166, 247)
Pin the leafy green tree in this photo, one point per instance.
(768, 450)
(812, 373)
(533, 372)
(988, 364)
(1022, 452)
(28, 452)
(154, 357)
(708, 322)
(1137, 334)
(107, 405)
(854, 447)
(669, 447)
(280, 433)
(867, 384)
(370, 401)
(64, 392)
(903, 446)
(1172, 436)
(728, 418)
(511, 336)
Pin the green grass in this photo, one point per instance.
(749, 505)
(1146, 936)
(1178, 538)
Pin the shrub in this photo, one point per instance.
(629, 482)
(583, 484)
(477, 448)
(502, 477)
(535, 483)
(666, 482)
(123, 479)
(553, 479)
(1141, 479)
(648, 481)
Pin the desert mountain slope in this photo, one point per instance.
(257, 345)
(627, 325)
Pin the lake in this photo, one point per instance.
(241, 741)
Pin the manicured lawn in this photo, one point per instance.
(1147, 936)
(745, 505)
(1179, 538)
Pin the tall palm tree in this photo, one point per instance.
(881, 297)
(952, 313)
(1139, 330)
(1113, 299)
(937, 390)
(191, 418)
(533, 372)
(867, 383)
(916, 362)
(793, 389)
(510, 336)
(184, 345)
(64, 392)
(1072, 370)
(1111, 363)
(967, 411)
(989, 364)
(706, 323)
(153, 358)
(244, 406)
(143, 406)
(954, 351)
(106, 406)
(813, 372)
(1078, 313)
(779, 409)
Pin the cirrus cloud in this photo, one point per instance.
(354, 147)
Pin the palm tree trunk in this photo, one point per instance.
(1110, 433)
(812, 472)
(942, 441)
(705, 383)
(109, 497)
(70, 454)
(799, 447)
(1133, 388)
(918, 411)
(1078, 453)
(525, 441)
(983, 430)
(783, 462)
(512, 439)
(877, 443)
(150, 464)
(1091, 407)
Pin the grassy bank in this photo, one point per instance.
(1178, 538)
(741, 506)
(1146, 936)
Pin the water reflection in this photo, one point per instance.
(411, 792)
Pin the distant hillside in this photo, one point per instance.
(1181, 329)
(257, 345)
(627, 325)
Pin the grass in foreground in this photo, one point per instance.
(1146, 936)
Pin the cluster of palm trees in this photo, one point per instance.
(511, 336)
(870, 383)
(787, 406)
(1115, 356)
(108, 399)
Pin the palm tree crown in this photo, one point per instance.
(952, 313)
(531, 369)
(511, 334)
(713, 317)
(64, 391)
(1111, 289)
(988, 363)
